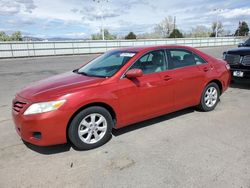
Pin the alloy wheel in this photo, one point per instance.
(211, 96)
(92, 128)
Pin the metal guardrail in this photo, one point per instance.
(44, 48)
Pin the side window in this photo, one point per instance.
(151, 62)
(182, 58)
(199, 60)
(146, 58)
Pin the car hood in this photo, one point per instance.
(240, 51)
(58, 85)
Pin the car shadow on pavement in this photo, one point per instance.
(241, 84)
(48, 150)
(118, 132)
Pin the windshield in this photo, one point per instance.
(247, 43)
(107, 64)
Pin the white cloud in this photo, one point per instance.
(28, 4)
(9, 7)
(82, 17)
(233, 13)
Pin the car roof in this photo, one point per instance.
(153, 47)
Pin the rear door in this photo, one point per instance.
(185, 75)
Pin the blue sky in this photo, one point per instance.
(81, 18)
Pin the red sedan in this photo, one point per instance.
(118, 88)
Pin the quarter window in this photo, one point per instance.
(182, 58)
(151, 62)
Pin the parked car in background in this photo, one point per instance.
(245, 44)
(119, 88)
(239, 61)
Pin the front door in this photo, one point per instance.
(146, 96)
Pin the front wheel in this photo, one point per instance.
(90, 128)
(210, 97)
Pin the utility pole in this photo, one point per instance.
(216, 28)
(174, 21)
(100, 2)
(174, 25)
(217, 10)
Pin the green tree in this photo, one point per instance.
(242, 30)
(176, 34)
(97, 36)
(3, 36)
(16, 36)
(131, 35)
(107, 35)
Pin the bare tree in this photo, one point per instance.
(150, 35)
(165, 27)
(217, 26)
(200, 31)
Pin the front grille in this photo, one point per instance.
(246, 60)
(232, 59)
(18, 105)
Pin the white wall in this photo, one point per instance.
(32, 49)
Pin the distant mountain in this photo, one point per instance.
(28, 38)
(63, 39)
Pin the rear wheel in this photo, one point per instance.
(90, 128)
(210, 97)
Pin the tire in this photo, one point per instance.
(210, 97)
(90, 128)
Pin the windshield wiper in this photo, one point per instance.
(87, 74)
(84, 73)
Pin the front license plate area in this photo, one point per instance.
(238, 73)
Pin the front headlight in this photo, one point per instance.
(42, 107)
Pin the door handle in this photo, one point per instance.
(167, 78)
(206, 69)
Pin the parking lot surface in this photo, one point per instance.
(187, 148)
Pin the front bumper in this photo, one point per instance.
(42, 129)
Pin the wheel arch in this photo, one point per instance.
(100, 104)
(218, 82)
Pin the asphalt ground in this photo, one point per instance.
(187, 148)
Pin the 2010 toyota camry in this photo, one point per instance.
(118, 88)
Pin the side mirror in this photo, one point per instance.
(134, 73)
(240, 44)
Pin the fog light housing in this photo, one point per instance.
(37, 135)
